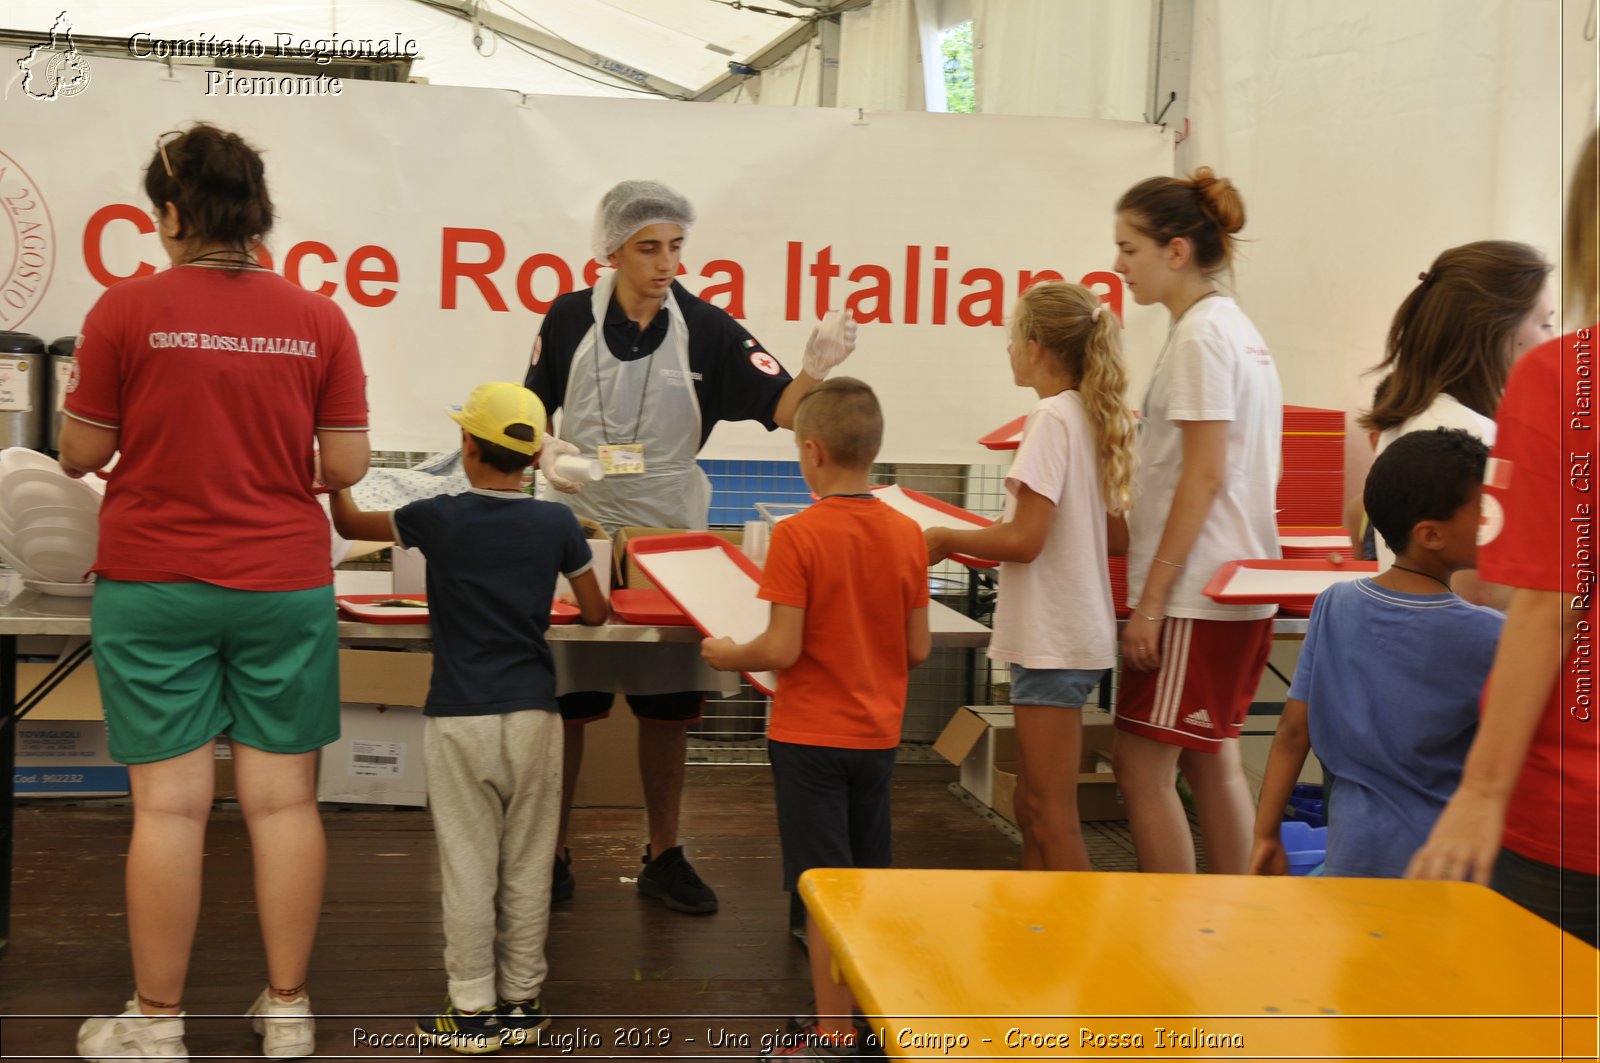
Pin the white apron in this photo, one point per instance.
(650, 401)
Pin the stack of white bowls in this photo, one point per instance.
(49, 523)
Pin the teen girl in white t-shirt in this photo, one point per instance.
(1209, 453)
(1450, 350)
(1065, 495)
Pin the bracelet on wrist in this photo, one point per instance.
(1147, 616)
(1169, 564)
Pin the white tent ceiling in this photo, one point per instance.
(673, 48)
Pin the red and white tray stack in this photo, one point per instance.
(1310, 492)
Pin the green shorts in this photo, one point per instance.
(181, 663)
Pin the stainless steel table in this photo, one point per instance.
(32, 614)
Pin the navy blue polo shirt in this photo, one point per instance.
(735, 379)
(493, 557)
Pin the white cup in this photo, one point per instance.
(583, 470)
(755, 540)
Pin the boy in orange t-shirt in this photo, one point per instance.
(848, 583)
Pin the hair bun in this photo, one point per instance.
(1219, 199)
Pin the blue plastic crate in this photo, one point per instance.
(1307, 805)
(1306, 846)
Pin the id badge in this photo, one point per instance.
(621, 459)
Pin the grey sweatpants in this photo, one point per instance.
(494, 788)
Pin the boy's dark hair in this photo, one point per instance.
(504, 459)
(843, 415)
(1421, 476)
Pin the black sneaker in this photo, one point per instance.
(472, 1033)
(669, 879)
(521, 1021)
(562, 884)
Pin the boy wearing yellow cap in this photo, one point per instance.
(494, 736)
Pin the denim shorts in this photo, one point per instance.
(1067, 688)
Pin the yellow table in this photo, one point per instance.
(1029, 965)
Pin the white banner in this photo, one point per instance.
(444, 221)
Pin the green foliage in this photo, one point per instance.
(958, 86)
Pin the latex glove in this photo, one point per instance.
(552, 451)
(831, 343)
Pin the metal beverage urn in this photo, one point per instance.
(62, 360)
(23, 364)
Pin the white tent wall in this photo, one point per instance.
(1580, 84)
(1088, 59)
(1367, 137)
(880, 58)
(793, 81)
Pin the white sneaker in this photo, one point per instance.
(287, 1030)
(131, 1035)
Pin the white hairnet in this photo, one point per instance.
(631, 206)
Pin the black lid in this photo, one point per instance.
(64, 346)
(21, 343)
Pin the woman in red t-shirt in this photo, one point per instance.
(215, 381)
(1524, 818)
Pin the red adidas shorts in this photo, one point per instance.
(1202, 692)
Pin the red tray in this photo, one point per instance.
(1217, 589)
(1007, 437)
(648, 605)
(365, 608)
(641, 550)
(960, 517)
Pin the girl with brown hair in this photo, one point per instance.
(1209, 445)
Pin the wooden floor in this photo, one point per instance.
(622, 968)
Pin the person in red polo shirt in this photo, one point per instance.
(216, 381)
(1524, 818)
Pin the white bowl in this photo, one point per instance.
(58, 518)
(47, 514)
(27, 489)
(16, 564)
(14, 458)
(60, 590)
(58, 554)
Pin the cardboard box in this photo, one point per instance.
(226, 788)
(66, 758)
(76, 698)
(610, 774)
(378, 757)
(629, 576)
(982, 740)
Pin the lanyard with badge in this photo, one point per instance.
(621, 459)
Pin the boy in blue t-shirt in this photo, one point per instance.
(492, 748)
(1386, 691)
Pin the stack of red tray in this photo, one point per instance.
(1311, 492)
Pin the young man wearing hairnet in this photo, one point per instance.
(642, 371)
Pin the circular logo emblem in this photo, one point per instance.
(27, 245)
(1491, 520)
(72, 374)
(765, 362)
(66, 75)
